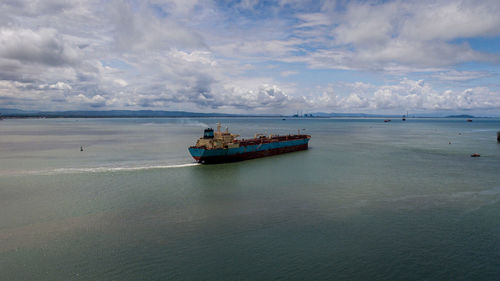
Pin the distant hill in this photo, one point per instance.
(18, 113)
(7, 112)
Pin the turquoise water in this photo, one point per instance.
(368, 201)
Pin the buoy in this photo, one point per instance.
(498, 136)
(81, 148)
(475, 155)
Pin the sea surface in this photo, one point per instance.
(368, 201)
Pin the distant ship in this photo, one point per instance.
(221, 147)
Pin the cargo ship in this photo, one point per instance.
(221, 147)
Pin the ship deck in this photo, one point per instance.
(261, 140)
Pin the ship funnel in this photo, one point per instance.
(208, 133)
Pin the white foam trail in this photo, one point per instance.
(102, 169)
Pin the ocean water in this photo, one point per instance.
(368, 201)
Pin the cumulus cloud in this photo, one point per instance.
(403, 36)
(42, 46)
(265, 97)
(94, 101)
(413, 95)
(235, 56)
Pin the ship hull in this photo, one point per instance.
(213, 156)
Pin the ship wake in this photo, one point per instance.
(104, 169)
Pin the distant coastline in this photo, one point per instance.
(18, 113)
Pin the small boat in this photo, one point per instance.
(387, 120)
(469, 120)
(475, 155)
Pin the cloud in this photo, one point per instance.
(454, 75)
(264, 98)
(178, 8)
(413, 95)
(313, 20)
(94, 101)
(263, 49)
(142, 31)
(248, 4)
(235, 56)
(55, 86)
(402, 36)
(364, 24)
(447, 20)
(288, 73)
(36, 8)
(42, 46)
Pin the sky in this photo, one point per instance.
(251, 56)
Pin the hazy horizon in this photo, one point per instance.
(12, 112)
